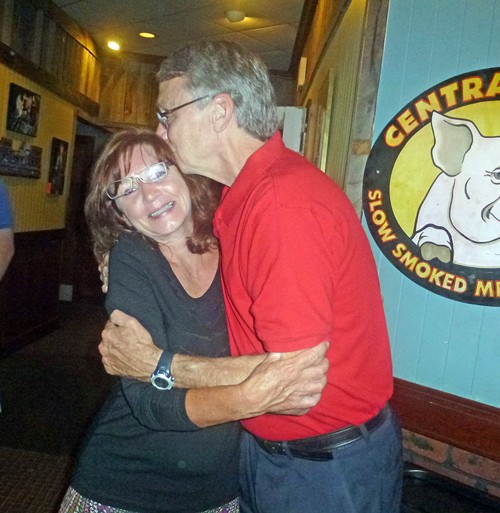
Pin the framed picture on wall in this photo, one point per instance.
(58, 158)
(18, 158)
(23, 110)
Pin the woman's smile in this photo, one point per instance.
(162, 210)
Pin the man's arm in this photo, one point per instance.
(286, 383)
(127, 349)
(6, 249)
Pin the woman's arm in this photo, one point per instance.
(128, 349)
(130, 288)
(271, 388)
(289, 383)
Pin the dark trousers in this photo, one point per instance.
(363, 477)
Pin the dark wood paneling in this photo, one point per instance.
(326, 18)
(128, 93)
(38, 41)
(305, 25)
(24, 67)
(29, 291)
(468, 425)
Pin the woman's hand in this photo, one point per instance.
(103, 272)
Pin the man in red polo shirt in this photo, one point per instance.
(297, 270)
(301, 271)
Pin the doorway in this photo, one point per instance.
(80, 274)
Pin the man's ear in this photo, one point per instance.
(223, 112)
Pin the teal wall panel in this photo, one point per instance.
(463, 345)
(486, 382)
(408, 330)
(437, 317)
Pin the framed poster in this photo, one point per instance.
(23, 160)
(58, 157)
(23, 110)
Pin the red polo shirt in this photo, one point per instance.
(298, 269)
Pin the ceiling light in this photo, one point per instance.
(234, 16)
(147, 35)
(113, 45)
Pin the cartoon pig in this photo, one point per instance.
(459, 218)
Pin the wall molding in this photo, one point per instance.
(29, 291)
(462, 423)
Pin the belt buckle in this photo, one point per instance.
(274, 447)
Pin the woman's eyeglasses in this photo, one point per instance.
(129, 185)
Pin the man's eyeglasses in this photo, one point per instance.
(163, 115)
(128, 185)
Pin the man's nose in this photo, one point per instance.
(162, 131)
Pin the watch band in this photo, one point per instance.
(165, 360)
(162, 378)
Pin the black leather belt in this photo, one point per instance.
(320, 448)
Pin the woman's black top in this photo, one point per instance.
(142, 452)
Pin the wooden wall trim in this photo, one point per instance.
(306, 21)
(468, 425)
(68, 24)
(26, 68)
(40, 235)
(370, 64)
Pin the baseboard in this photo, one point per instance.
(468, 425)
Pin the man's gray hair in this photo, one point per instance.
(214, 67)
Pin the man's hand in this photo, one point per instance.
(288, 383)
(127, 349)
(281, 383)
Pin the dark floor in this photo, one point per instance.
(49, 391)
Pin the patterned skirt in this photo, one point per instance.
(73, 502)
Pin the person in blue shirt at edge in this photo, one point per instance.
(6, 231)
(149, 450)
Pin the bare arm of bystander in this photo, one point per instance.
(6, 249)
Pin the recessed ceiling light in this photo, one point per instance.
(235, 16)
(147, 35)
(113, 45)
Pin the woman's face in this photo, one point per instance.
(161, 210)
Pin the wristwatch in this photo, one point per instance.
(162, 378)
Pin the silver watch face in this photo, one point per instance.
(162, 380)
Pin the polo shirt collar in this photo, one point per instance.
(249, 177)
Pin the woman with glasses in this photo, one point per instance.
(144, 452)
